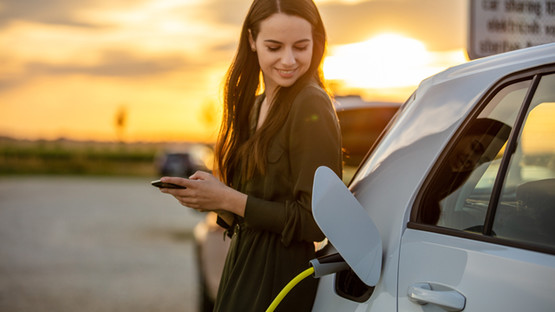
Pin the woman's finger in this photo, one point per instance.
(177, 180)
(200, 175)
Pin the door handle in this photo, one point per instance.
(444, 297)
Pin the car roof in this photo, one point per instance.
(523, 58)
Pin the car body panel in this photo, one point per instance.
(478, 270)
(392, 175)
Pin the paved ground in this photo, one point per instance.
(94, 244)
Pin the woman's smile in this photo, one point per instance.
(286, 73)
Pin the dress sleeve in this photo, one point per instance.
(314, 140)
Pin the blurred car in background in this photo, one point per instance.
(176, 164)
(361, 124)
(211, 250)
(183, 161)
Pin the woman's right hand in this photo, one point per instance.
(206, 193)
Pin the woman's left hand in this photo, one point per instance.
(205, 192)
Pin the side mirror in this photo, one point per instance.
(347, 225)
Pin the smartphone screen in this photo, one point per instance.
(161, 184)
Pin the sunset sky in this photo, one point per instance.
(68, 68)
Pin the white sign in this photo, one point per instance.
(498, 26)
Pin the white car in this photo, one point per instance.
(454, 208)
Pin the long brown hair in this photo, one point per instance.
(234, 148)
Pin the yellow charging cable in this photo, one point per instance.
(288, 287)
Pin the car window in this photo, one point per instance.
(367, 166)
(460, 193)
(528, 212)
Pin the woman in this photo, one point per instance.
(268, 149)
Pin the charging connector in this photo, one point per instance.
(328, 265)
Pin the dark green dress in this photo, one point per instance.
(274, 242)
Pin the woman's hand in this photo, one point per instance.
(205, 192)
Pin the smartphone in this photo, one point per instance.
(161, 184)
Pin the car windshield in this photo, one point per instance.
(367, 163)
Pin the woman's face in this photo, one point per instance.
(284, 48)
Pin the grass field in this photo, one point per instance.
(64, 157)
(81, 158)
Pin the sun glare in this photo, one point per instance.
(165, 60)
(385, 61)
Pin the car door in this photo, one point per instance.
(481, 231)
